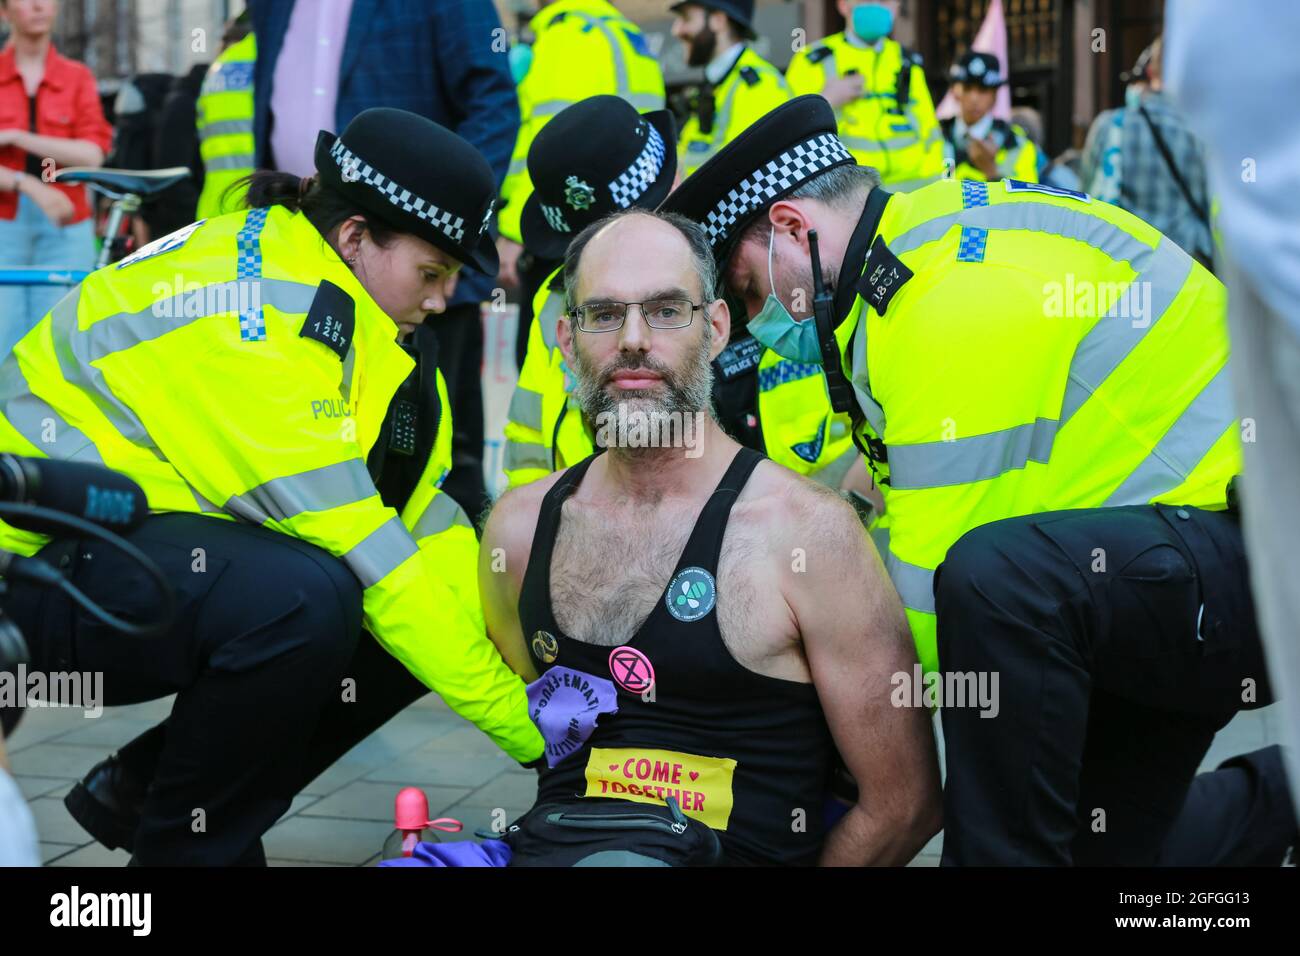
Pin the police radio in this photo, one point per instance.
(841, 392)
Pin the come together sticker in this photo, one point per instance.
(701, 785)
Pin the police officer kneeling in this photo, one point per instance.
(1041, 378)
(243, 370)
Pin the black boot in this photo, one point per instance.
(107, 802)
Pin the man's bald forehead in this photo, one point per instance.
(646, 238)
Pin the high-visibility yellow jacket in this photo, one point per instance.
(224, 119)
(751, 89)
(582, 48)
(1017, 156)
(544, 429)
(545, 433)
(892, 126)
(244, 395)
(1046, 351)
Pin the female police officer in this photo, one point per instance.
(241, 370)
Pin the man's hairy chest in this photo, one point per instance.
(609, 570)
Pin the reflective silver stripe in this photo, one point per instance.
(723, 119)
(645, 101)
(937, 464)
(381, 552)
(551, 312)
(1109, 342)
(78, 349)
(550, 108)
(526, 408)
(1034, 217)
(349, 363)
(320, 489)
(875, 415)
(1182, 447)
(880, 538)
(915, 584)
(620, 63)
(29, 414)
(828, 67)
(75, 352)
(128, 329)
(1102, 350)
(526, 455)
(225, 128)
(1007, 168)
(441, 513)
(237, 161)
(205, 506)
(911, 185)
(878, 145)
(517, 166)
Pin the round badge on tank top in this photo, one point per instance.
(631, 669)
(691, 595)
(546, 647)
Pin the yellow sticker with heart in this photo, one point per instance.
(701, 785)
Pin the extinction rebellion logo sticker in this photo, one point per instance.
(691, 594)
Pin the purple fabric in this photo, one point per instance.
(461, 853)
(564, 704)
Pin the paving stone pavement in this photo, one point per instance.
(342, 817)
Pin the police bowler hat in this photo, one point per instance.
(417, 177)
(594, 158)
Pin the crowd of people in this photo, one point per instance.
(800, 456)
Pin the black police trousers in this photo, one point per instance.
(268, 628)
(1122, 640)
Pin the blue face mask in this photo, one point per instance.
(776, 328)
(1133, 97)
(520, 59)
(871, 21)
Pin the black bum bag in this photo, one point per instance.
(566, 834)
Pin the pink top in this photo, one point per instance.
(305, 87)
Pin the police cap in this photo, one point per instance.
(594, 158)
(417, 177)
(771, 159)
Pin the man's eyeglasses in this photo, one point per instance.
(658, 313)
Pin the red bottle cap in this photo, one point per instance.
(411, 809)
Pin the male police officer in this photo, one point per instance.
(740, 86)
(1012, 349)
(975, 143)
(877, 86)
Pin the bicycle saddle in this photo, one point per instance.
(141, 182)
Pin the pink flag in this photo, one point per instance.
(991, 38)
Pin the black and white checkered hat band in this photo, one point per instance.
(355, 168)
(797, 164)
(636, 179)
(555, 217)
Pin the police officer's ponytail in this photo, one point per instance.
(324, 208)
(270, 188)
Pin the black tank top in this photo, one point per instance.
(745, 753)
